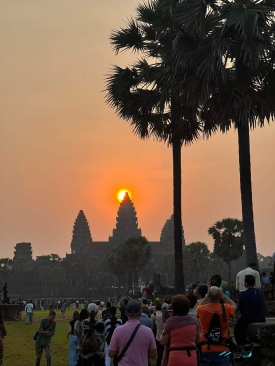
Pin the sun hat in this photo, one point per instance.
(133, 307)
(92, 308)
(164, 306)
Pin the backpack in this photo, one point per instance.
(214, 334)
(90, 343)
(111, 330)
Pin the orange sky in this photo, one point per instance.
(62, 149)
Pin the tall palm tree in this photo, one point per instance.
(150, 96)
(241, 47)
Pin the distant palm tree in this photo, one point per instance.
(45, 275)
(57, 276)
(228, 240)
(5, 267)
(93, 265)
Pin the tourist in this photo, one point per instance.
(250, 270)
(201, 290)
(3, 333)
(106, 313)
(142, 345)
(78, 331)
(145, 317)
(193, 302)
(95, 326)
(43, 341)
(180, 336)
(110, 325)
(29, 312)
(73, 355)
(251, 306)
(214, 330)
(122, 308)
(5, 294)
(63, 309)
(157, 320)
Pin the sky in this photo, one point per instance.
(62, 149)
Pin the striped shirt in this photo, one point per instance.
(108, 328)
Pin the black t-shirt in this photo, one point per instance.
(72, 323)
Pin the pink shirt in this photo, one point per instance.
(137, 353)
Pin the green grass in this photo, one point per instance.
(19, 346)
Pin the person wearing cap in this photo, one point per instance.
(213, 354)
(143, 344)
(250, 270)
(93, 324)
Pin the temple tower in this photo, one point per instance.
(82, 238)
(23, 250)
(167, 236)
(126, 222)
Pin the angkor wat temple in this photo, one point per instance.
(83, 247)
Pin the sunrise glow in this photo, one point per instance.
(121, 194)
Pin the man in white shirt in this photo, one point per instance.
(29, 312)
(250, 270)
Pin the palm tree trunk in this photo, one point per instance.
(246, 195)
(179, 276)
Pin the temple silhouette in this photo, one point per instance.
(82, 244)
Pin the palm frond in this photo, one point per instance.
(127, 38)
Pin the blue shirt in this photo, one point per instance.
(145, 320)
(265, 280)
(251, 306)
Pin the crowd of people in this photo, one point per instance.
(187, 330)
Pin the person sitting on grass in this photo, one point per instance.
(251, 306)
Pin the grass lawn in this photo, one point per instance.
(19, 346)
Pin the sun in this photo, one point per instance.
(121, 194)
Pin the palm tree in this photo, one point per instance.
(241, 48)
(44, 274)
(150, 96)
(228, 240)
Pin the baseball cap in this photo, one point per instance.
(92, 308)
(157, 299)
(133, 307)
(164, 306)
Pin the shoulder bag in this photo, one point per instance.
(117, 359)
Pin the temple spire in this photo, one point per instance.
(126, 222)
(81, 234)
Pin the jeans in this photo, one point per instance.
(39, 351)
(160, 350)
(73, 356)
(107, 358)
(214, 359)
(29, 318)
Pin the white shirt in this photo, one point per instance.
(29, 308)
(241, 276)
(160, 325)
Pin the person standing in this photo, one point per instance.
(143, 344)
(3, 333)
(251, 306)
(63, 310)
(43, 341)
(110, 325)
(250, 270)
(73, 355)
(214, 323)
(5, 293)
(95, 326)
(29, 312)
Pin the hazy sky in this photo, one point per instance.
(62, 149)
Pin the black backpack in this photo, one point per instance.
(214, 334)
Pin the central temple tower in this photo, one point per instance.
(126, 222)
